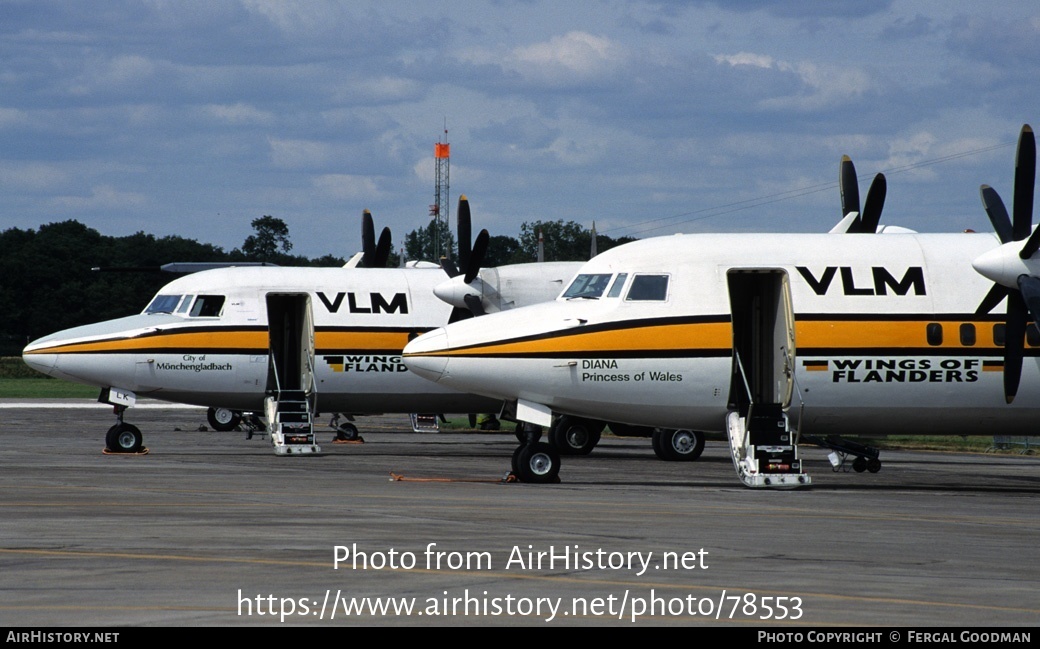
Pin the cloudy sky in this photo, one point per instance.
(194, 117)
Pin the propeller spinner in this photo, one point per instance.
(1011, 266)
(870, 216)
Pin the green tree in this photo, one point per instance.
(563, 241)
(271, 236)
(503, 250)
(421, 243)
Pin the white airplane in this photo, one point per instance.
(772, 339)
(293, 342)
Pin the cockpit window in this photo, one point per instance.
(163, 304)
(619, 283)
(588, 285)
(648, 288)
(207, 306)
(185, 303)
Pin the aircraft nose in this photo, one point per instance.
(34, 356)
(420, 354)
(43, 363)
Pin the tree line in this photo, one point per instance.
(48, 282)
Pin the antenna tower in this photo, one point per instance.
(440, 209)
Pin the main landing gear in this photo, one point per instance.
(574, 435)
(535, 461)
(678, 445)
(345, 431)
(223, 419)
(123, 437)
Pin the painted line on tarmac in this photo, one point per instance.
(70, 405)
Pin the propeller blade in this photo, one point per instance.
(849, 186)
(476, 307)
(449, 267)
(1030, 287)
(1032, 245)
(382, 251)
(1014, 342)
(465, 231)
(476, 257)
(458, 313)
(992, 299)
(873, 205)
(368, 239)
(1025, 178)
(997, 213)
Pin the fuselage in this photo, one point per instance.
(205, 339)
(885, 334)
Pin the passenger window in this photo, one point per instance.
(163, 304)
(207, 306)
(1000, 335)
(967, 334)
(619, 283)
(590, 285)
(934, 333)
(648, 288)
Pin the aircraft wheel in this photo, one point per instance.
(678, 445)
(223, 419)
(110, 438)
(515, 462)
(538, 463)
(574, 436)
(124, 438)
(859, 465)
(346, 432)
(873, 465)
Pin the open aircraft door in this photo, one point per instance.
(762, 444)
(291, 399)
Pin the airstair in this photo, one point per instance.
(291, 400)
(762, 443)
(764, 448)
(290, 422)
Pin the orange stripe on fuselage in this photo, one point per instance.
(714, 335)
(835, 335)
(361, 340)
(231, 341)
(220, 340)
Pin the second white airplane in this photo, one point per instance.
(772, 337)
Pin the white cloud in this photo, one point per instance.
(820, 85)
(116, 72)
(102, 197)
(30, 176)
(575, 55)
(294, 154)
(347, 186)
(745, 58)
(298, 17)
(11, 117)
(239, 113)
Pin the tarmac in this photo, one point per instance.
(211, 529)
